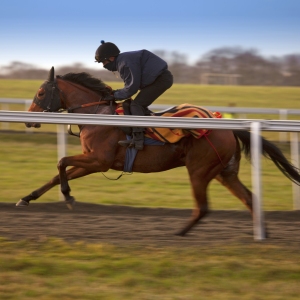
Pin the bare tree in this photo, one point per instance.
(245, 66)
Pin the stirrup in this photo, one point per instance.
(138, 144)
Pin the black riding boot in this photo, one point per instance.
(138, 138)
(137, 141)
(138, 132)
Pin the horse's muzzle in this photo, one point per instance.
(35, 125)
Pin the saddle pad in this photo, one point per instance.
(173, 135)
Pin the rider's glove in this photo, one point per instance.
(109, 98)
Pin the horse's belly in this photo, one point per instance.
(158, 158)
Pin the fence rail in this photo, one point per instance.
(242, 112)
(142, 121)
(281, 112)
(170, 122)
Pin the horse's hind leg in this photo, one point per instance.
(201, 208)
(236, 187)
(229, 178)
(231, 181)
(72, 173)
(200, 179)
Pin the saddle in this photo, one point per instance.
(172, 135)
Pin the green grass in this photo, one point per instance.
(29, 160)
(53, 269)
(242, 96)
(13, 88)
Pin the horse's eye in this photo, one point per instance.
(41, 93)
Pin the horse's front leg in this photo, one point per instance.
(87, 161)
(64, 184)
(72, 173)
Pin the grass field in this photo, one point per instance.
(242, 96)
(55, 269)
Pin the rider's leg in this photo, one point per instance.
(150, 93)
(139, 105)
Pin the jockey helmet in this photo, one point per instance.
(106, 50)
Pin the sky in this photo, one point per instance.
(57, 33)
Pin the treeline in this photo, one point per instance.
(20, 70)
(226, 65)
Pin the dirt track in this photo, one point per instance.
(123, 225)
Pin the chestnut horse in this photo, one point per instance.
(215, 156)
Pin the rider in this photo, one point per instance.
(140, 70)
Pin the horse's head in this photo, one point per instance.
(46, 99)
(72, 91)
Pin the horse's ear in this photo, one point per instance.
(51, 74)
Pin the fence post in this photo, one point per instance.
(283, 115)
(295, 161)
(61, 148)
(4, 125)
(256, 146)
(27, 104)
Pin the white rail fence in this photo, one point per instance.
(242, 112)
(282, 113)
(256, 126)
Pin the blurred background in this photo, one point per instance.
(204, 42)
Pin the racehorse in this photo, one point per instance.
(215, 156)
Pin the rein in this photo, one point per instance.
(210, 143)
(69, 110)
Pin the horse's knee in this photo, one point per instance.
(61, 164)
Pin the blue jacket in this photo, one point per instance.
(137, 69)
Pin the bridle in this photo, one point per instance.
(51, 106)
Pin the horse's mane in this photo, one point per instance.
(88, 81)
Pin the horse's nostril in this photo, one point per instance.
(37, 125)
(28, 125)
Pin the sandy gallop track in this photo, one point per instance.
(124, 225)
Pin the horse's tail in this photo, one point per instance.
(270, 151)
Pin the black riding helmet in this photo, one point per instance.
(106, 50)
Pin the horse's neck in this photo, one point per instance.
(106, 109)
(77, 96)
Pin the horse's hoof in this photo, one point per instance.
(70, 202)
(22, 203)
